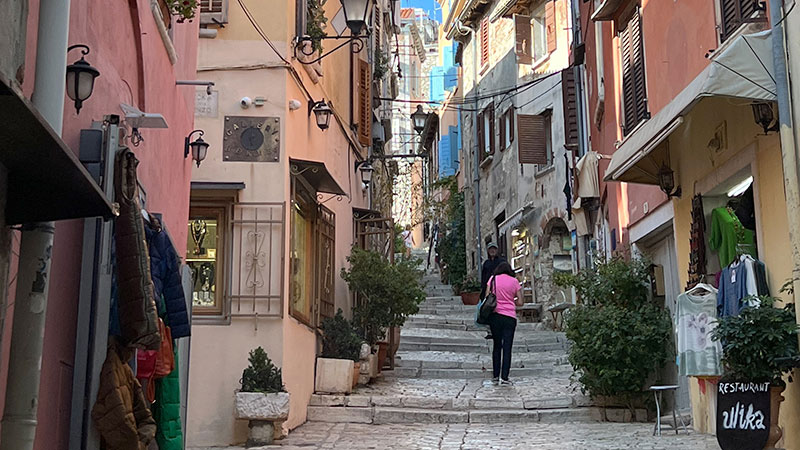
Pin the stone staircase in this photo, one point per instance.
(443, 371)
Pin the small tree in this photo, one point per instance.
(391, 292)
(261, 375)
(619, 337)
(452, 245)
(339, 339)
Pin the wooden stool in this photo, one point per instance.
(557, 312)
(657, 392)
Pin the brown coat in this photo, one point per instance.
(121, 413)
(138, 317)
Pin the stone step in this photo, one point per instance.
(530, 338)
(379, 415)
(466, 323)
(473, 373)
(484, 347)
(437, 362)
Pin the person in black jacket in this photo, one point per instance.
(487, 270)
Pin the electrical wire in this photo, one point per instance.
(261, 32)
(791, 8)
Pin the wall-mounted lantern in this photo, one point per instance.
(80, 78)
(198, 148)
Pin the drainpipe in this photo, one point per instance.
(788, 145)
(476, 180)
(35, 253)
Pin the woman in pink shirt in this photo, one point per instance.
(503, 321)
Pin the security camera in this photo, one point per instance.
(245, 102)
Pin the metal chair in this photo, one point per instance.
(657, 393)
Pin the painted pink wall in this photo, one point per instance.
(134, 66)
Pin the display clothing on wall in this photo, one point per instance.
(728, 236)
(695, 319)
(743, 279)
(697, 243)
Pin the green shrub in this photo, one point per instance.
(261, 375)
(759, 344)
(391, 292)
(619, 338)
(452, 246)
(339, 339)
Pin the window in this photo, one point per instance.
(205, 256)
(634, 85)
(486, 132)
(535, 141)
(735, 13)
(539, 24)
(213, 12)
(507, 129)
(484, 32)
(302, 252)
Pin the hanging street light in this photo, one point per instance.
(366, 173)
(198, 147)
(419, 117)
(322, 113)
(355, 14)
(80, 78)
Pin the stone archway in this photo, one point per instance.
(555, 253)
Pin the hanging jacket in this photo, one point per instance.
(137, 308)
(120, 413)
(167, 410)
(165, 269)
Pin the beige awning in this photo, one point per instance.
(744, 70)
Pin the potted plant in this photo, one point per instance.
(338, 366)
(262, 399)
(182, 9)
(391, 292)
(760, 345)
(470, 291)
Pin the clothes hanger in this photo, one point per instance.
(701, 286)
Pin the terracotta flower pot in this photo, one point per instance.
(775, 431)
(356, 373)
(470, 298)
(383, 351)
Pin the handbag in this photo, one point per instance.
(165, 360)
(487, 306)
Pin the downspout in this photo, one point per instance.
(35, 253)
(788, 145)
(476, 181)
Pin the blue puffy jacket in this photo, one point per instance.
(166, 272)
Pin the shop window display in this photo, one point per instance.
(204, 257)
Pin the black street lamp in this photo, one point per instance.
(366, 173)
(322, 113)
(419, 118)
(355, 16)
(80, 78)
(198, 147)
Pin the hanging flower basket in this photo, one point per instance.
(182, 9)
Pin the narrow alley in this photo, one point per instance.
(440, 396)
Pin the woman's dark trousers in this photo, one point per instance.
(503, 328)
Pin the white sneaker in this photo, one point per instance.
(495, 381)
(506, 383)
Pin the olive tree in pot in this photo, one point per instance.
(469, 290)
(390, 293)
(338, 367)
(760, 345)
(620, 339)
(262, 399)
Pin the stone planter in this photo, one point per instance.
(383, 351)
(373, 366)
(334, 376)
(266, 413)
(470, 298)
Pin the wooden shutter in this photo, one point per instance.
(532, 142)
(491, 129)
(524, 46)
(213, 11)
(484, 32)
(364, 104)
(502, 127)
(481, 136)
(569, 99)
(325, 230)
(376, 26)
(734, 13)
(634, 89)
(550, 24)
(510, 120)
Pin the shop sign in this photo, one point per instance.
(742, 415)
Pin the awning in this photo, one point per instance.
(517, 218)
(429, 132)
(46, 181)
(317, 176)
(744, 70)
(606, 10)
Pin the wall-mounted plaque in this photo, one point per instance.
(254, 139)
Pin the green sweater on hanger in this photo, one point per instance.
(726, 233)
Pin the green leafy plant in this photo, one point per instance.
(619, 338)
(261, 375)
(399, 245)
(452, 246)
(339, 339)
(183, 9)
(759, 344)
(390, 292)
(316, 21)
(470, 284)
(381, 65)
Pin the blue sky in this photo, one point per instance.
(427, 5)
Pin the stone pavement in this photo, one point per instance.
(569, 436)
